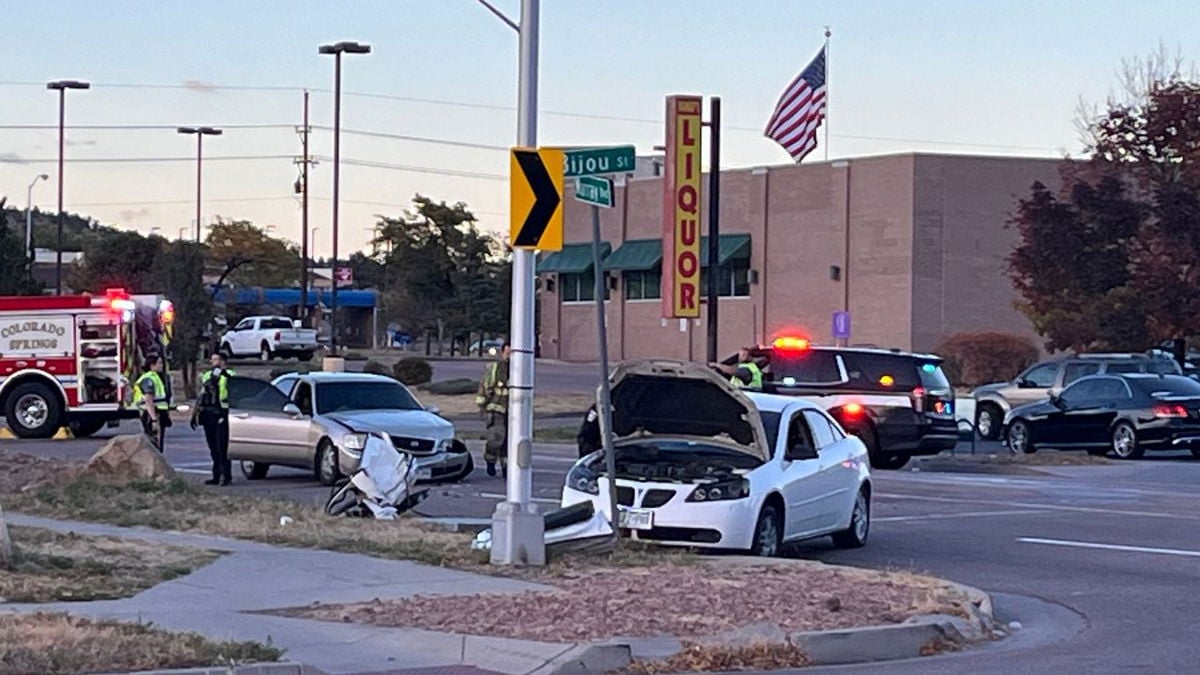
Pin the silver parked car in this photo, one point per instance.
(320, 422)
(1038, 382)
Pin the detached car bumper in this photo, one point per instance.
(430, 468)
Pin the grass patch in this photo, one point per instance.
(49, 566)
(54, 644)
(181, 506)
(696, 658)
(1006, 458)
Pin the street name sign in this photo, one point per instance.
(599, 161)
(536, 184)
(595, 190)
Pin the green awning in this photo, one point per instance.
(730, 247)
(572, 259)
(636, 255)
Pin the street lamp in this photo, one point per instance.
(200, 133)
(337, 49)
(61, 86)
(29, 220)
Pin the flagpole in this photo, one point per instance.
(827, 90)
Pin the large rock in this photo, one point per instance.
(128, 458)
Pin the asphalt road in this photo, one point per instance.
(1099, 563)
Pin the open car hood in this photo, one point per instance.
(684, 400)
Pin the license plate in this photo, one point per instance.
(424, 474)
(636, 519)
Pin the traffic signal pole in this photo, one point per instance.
(517, 529)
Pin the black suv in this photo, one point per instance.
(899, 403)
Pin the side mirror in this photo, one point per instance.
(801, 452)
(433, 409)
(291, 409)
(1056, 401)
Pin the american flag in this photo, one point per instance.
(800, 111)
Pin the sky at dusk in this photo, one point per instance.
(964, 77)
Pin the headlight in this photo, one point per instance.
(442, 445)
(583, 479)
(354, 442)
(729, 489)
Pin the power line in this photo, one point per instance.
(418, 139)
(132, 127)
(420, 169)
(202, 88)
(139, 160)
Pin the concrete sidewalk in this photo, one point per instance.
(218, 600)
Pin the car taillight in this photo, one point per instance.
(1170, 411)
(852, 410)
(918, 399)
(278, 335)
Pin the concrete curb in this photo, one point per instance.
(911, 639)
(283, 668)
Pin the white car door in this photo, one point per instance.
(836, 479)
(801, 476)
(238, 336)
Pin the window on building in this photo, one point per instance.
(578, 287)
(733, 282)
(643, 284)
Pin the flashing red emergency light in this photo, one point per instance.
(798, 344)
(852, 409)
(166, 312)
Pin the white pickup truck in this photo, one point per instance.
(269, 337)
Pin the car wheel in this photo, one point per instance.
(327, 463)
(254, 470)
(226, 351)
(879, 460)
(304, 356)
(83, 429)
(33, 411)
(1196, 453)
(1124, 442)
(889, 462)
(264, 352)
(768, 533)
(1018, 438)
(855, 536)
(988, 420)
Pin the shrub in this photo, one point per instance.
(453, 387)
(972, 359)
(376, 368)
(355, 356)
(413, 370)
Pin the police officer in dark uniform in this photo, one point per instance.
(212, 412)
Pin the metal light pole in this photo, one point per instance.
(182, 232)
(302, 188)
(62, 86)
(337, 49)
(29, 221)
(517, 529)
(200, 133)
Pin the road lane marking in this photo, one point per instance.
(1110, 547)
(1047, 507)
(536, 500)
(941, 516)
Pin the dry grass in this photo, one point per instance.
(54, 644)
(713, 658)
(558, 404)
(1005, 458)
(700, 600)
(50, 566)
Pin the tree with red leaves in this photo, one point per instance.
(1112, 261)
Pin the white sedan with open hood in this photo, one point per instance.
(703, 464)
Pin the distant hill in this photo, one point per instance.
(78, 231)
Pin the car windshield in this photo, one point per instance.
(335, 397)
(805, 367)
(932, 375)
(1161, 387)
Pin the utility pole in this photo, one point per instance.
(302, 188)
(714, 225)
(517, 529)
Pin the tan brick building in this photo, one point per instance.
(925, 234)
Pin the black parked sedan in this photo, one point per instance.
(1122, 414)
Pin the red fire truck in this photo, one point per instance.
(70, 360)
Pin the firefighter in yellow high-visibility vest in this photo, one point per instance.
(150, 394)
(493, 402)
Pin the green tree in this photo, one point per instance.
(268, 261)
(119, 259)
(15, 278)
(179, 276)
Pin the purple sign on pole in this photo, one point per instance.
(841, 325)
